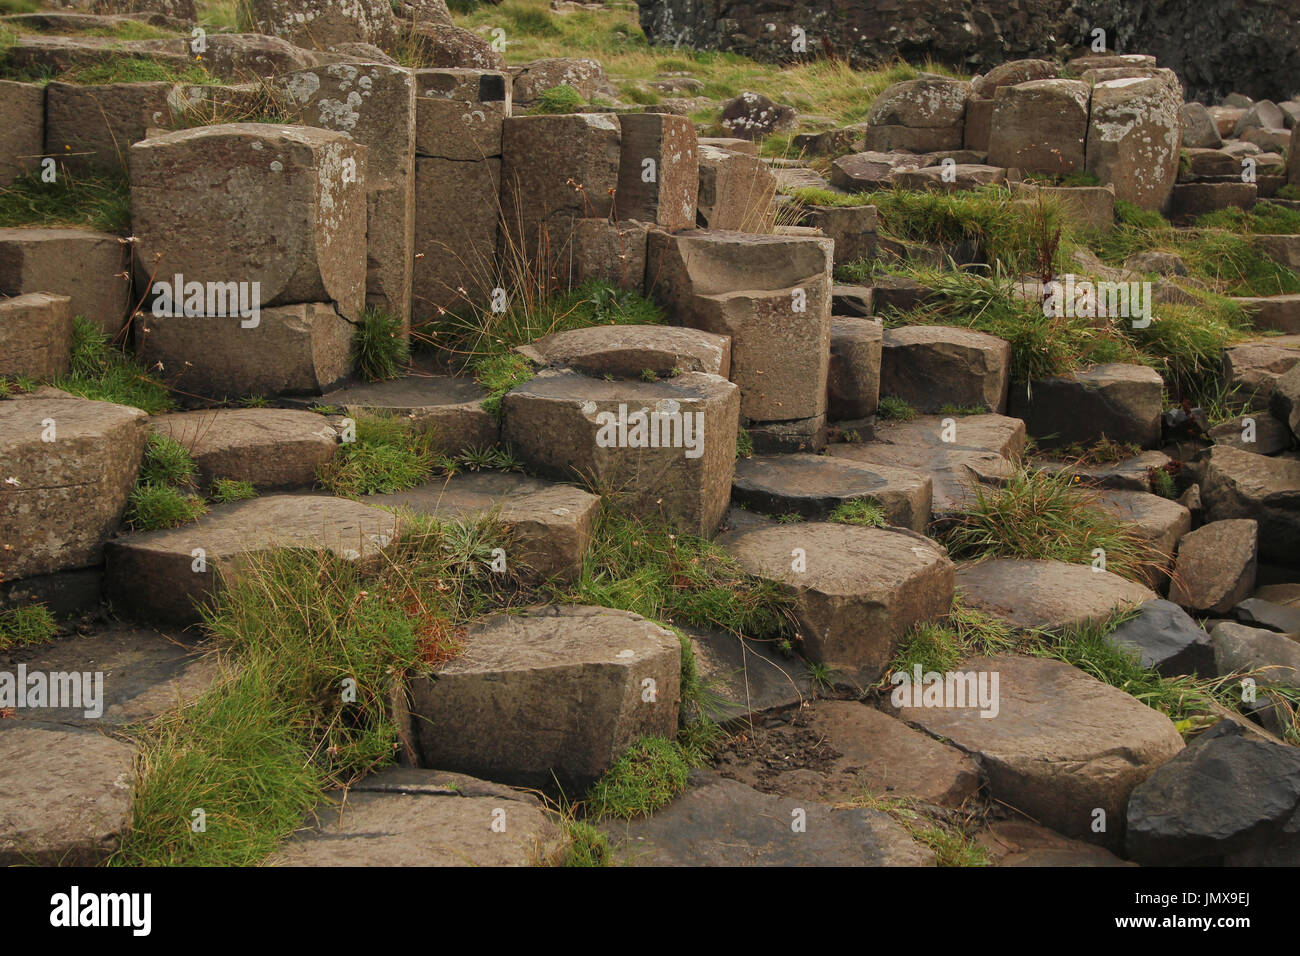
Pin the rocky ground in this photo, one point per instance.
(421, 448)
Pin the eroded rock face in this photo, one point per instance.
(68, 467)
(320, 24)
(558, 690)
(1134, 131)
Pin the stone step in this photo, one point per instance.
(628, 351)
(554, 693)
(1048, 595)
(412, 817)
(672, 456)
(853, 378)
(931, 366)
(1119, 401)
(35, 336)
(1281, 313)
(980, 451)
(1127, 474)
(813, 486)
(746, 677)
(161, 576)
(273, 448)
(721, 822)
(1021, 843)
(84, 265)
(551, 523)
(451, 407)
(856, 589)
(67, 774)
(1062, 745)
(67, 466)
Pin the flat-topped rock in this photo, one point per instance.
(84, 265)
(550, 524)
(1127, 474)
(1237, 484)
(813, 486)
(414, 817)
(450, 407)
(1271, 658)
(667, 447)
(68, 466)
(1062, 745)
(1166, 637)
(35, 336)
(840, 750)
(930, 366)
(144, 674)
(1281, 313)
(856, 590)
(273, 448)
(1020, 843)
(1159, 520)
(980, 451)
(152, 575)
(720, 822)
(552, 693)
(1121, 402)
(853, 378)
(628, 351)
(1052, 595)
(65, 795)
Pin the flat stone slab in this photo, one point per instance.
(813, 486)
(415, 817)
(65, 794)
(839, 750)
(719, 822)
(1159, 520)
(1128, 474)
(627, 351)
(746, 677)
(553, 693)
(1051, 595)
(144, 673)
(274, 448)
(67, 466)
(1281, 313)
(551, 523)
(451, 407)
(1021, 843)
(1061, 745)
(856, 590)
(151, 576)
(979, 452)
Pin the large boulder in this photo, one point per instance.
(68, 468)
(1238, 484)
(921, 115)
(659, 170)
(1166, 637)
(534, 78)
(753, 116)
(292, 198)
(1121, 402)
(1199, 129)
(1216, 566)
(320, 24)
(930, 366)
(1062, 746)
(668, 447)
(736, 190)
(1134, 131)
(555, 693)
(1040, 126)
(856, 590)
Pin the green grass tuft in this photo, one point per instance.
(166, 462)
(155, 507)
(225, 490)
(102, 203)
(388, 456)
(382, 347)
(103, 373)
(860, 511)
(646, 777)
(27, 625)
(558, 99)
(895, 409)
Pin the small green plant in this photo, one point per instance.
(558, 99)
(584, 845)
(382, 346)
(499, 374)
(744, 444)
(166, 462)
(102, 203)
(963, 410)
(821, 676)
(646, 777)
(860, 511)
(895, 409)
(649, 375)
(9, 387)
(1162, 483)
(790, 517)
(255, 401)
(225, 490)
(155, 507)
(388, 456)
(1289, 191)
(30, 624)
(101, 372)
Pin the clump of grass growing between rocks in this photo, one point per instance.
(163, 496)
(101, 372)
(102, 203)
(27, 625)
(388, 456)
(1037, 514)
(382, 347)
